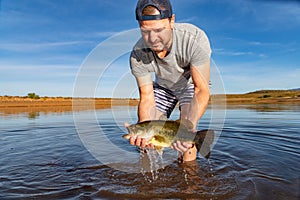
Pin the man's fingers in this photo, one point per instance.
(143, 142)
(177, 146)
(187, 145)
(182, 146)
(132, 141)
(138, 141)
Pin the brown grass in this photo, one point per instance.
(265, 97)
(15, 104)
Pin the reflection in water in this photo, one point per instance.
(256, 157)
(33, 115)
(267, 107)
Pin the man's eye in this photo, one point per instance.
(145, 31)
(158, 30)
(154, 30)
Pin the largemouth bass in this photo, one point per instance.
(162, 134)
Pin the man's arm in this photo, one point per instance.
(201, 92)
(146, 107)
(197, 107)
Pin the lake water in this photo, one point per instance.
(48, 156)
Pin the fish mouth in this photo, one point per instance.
(126, 136)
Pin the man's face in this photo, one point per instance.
(157, 34)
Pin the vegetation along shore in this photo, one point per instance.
(35, 103)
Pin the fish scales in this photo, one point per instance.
(164, 133)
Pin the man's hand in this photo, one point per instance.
(182, 147)
(187, 151)
(138, 141)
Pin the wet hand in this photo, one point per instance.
(138, 141)
(182, 147)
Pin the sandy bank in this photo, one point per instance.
(13, 105)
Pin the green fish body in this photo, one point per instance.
(162, 134)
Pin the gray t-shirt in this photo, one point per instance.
(190, 47)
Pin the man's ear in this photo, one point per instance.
(172, 21)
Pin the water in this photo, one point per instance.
(256, 157)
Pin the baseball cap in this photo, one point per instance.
(163, 6)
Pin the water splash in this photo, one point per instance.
(150, 162)
(210, 167)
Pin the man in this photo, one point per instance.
(179, 56)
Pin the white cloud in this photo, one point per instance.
(30, 72)
(254, 76)
(105, 33)
(190, 19)
(224, 52)
(276, 14)
(25, 47)
(271, 14)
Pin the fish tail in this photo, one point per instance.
(203, 141)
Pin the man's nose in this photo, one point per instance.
(152, 36)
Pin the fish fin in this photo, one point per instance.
(159, 141)
(159, 138)
(159, 150)
(187, 123)
(203, 141)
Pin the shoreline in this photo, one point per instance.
(15, 105)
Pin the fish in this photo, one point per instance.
(163, 133)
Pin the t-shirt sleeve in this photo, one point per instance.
(201, 50)
(136, 65)
(138, 69)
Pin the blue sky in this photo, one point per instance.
(44, 43)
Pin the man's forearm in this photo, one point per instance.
(146, 110)
(198, 106)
